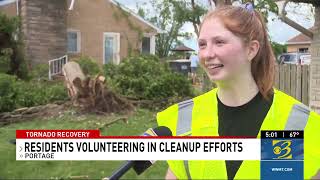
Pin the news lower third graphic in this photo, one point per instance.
(282, 155)
(90, 145)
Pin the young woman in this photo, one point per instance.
(236, 54)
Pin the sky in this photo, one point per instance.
(278, 31)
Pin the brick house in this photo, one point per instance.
(299, 43)
(101, 29)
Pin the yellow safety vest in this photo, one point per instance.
(199, 117)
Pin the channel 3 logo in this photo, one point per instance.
(282, 149)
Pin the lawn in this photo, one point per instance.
(137, 123)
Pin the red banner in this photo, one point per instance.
(57, 134)
(95, 134)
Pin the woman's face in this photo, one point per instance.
(222, 54)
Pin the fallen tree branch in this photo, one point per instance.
(285, 19)
(30, 113)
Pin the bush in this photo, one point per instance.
(9, 24)
(110, 70)
(88, 65)
(169, 85)
(40, 71)
(23, 71)
(7, 92)
(15, 93)
(5, 55)
(13, 61)
(145, 77)
(39, 93)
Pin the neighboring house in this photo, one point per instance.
(10, 7)
(300, 43)
(101, 29)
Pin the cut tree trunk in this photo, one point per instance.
(72, 71)
(92, 94)
(314, 81)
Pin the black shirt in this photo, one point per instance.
(244, 120)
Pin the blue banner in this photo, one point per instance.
(281, 158)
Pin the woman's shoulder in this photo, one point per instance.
(282, 97)
(171, 112)
(169, 116)
(209, 94)
(183, 104)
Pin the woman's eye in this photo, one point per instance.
(202, 45)
(220, 42)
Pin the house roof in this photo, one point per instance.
(5, 2)
(300, 39)
(182, 48)
(136, 16)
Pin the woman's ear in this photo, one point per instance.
(253, 49)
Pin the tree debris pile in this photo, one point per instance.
(29, 113)
(92, 94)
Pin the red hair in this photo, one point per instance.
(250, 25)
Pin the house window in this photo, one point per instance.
(111, 47)
(303, 50)
(145, 45)
(73, 41)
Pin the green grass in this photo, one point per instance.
(138, 122)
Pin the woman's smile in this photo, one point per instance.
(213, 68)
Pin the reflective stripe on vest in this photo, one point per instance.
(297, 120)
(298, 117)
(184, 125)
(186, 167)
(184, 117)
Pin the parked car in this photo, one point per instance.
(305, 59)
(294, 58)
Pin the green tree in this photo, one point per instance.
(278, 48)
(189, 11)
(165, 16)
(11, 46)
(8, 28)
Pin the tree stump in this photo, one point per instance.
(92, 94)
